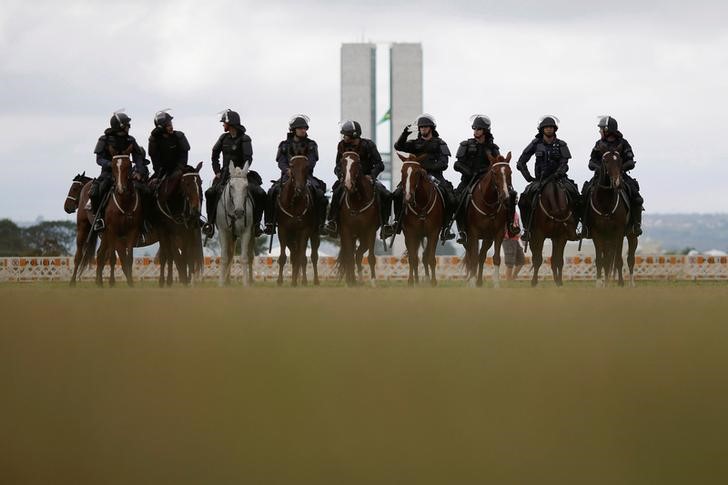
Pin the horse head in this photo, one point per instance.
(299, 170)
(352, 170)
(74, 192)
(412, 173)
(121, 168)
(238, 189)
(611, 168)
(500, 169)
(191, 186)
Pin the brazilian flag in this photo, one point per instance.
(387, 116)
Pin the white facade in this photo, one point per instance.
(358, 86)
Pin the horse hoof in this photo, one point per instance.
(471, 283)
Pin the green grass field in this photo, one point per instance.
(364, 386)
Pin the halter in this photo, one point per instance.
(610, 187)
(432, 198)
(179, 219)
(551, 217)
(498, 203)
(346, 192)
(227, 199)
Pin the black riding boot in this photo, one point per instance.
(321, 205)
(398, 203)
(524, 206)
(450, 205)
(385, 209)
(513, 229)
(331, 229)
(208, 229)
(637, 216)
(259, 202)
(270, 210)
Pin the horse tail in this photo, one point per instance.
(88, 251)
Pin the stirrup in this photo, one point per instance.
(462, 238)
(525, 236)
(208, 229)
(330, 228)
(270, 229)
(447, 235)
(99, 225)
(386, 232)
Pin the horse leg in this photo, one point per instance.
(315, 243)
(346, 256)
(412, 247)
(482, 256)
(557, 259)
(371, 258)
(599, 260)
(282, 258)
(618, 261)
(225, 256)
(360, 250)
(471, 257)
(100, 262)
(112, 264)
(429, 257)
(536, 256)
(245, 242)
(497, 260)
(162, 260)
(82, 230)
(631, 249)
(128, 259)
(304, 260)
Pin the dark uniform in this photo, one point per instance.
(285, 148)
(371, 164)
(168, 151)
(472, 162)
(552, 163)
(435, 164)
(611, 141)
(236, 151)
(118, 138)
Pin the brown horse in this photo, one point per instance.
(74, 192)
(297, 220)
(553, 219)
(608, 213)
(123, 219)
(359, 220)
(424, 211)
(178, 204)
(76, 199)
(487, 216)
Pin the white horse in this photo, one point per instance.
(234, 221)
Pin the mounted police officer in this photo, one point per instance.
(115, 137)
(472, 162)
(237, 149)
(168, 148)
(552, 163)
(612, 140)
(371, 164)
(297, 138)
(428, 142)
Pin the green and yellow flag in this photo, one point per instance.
(387, 116)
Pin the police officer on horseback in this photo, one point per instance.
(612, 140)
(428, 142)
(472, 162)
(552, 163)
(371, 164)
(296, 139)
(168, 148)
(116, 138)
(237, 149)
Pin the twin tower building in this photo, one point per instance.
(359, 95)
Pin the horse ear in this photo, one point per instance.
(508, 157)
(402, 157)
(198, 167)
(83, 174)
(491, 159)
(246, 167)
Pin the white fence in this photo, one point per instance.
(388, 268)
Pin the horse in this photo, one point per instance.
(77, 198)
(359, 220)
(234, 221)
(487, 216)
(608, 213)
(424, 211)
(297, 220)
(553, 219)
(123, 218)
(177, 204)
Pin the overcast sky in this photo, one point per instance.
(660, 68)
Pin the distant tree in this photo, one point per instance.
(11, 239)
(50, 238)
(686, 250)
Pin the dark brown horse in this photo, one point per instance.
(74, 192)
(297, 220)
(608, 213)
(487, 216)
(424, 210)
(123, 219)
(552, 218)
(359, 220)
(76, 200)
(178, 203)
